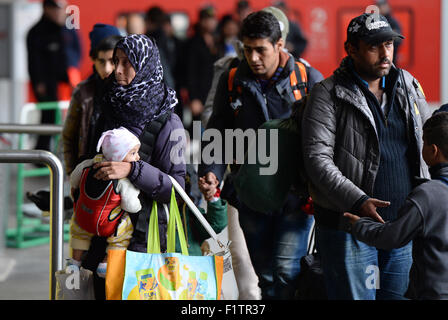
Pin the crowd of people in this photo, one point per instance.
(369, 144)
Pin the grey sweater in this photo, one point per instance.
(423, 219)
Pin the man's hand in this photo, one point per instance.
(109, 170)
(208, 184)
(368, 208)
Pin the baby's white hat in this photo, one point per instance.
(116, 143)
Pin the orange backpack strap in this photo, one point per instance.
(299, 89)
(231, 78)
(235, 103)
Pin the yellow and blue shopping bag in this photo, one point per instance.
(163, 276)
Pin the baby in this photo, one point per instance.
(102, 207)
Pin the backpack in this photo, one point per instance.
(97, 209)
(267, 193)
(299, 89)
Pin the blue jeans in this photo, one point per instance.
(355, 271)
(276, 243)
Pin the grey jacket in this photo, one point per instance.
(340, 141)
(423, 219)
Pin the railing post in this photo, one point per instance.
(56, 203)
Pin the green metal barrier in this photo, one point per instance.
(32, 231)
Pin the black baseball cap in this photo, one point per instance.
(371, 29)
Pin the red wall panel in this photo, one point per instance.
(323, 21)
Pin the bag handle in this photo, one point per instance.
(195, 210)
(153, 241)
(175, 220)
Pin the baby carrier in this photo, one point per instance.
(97, 209)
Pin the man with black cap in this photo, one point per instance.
(362, 136)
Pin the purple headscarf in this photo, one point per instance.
(147, 96)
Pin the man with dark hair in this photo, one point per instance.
(361, 138)
(423, 219)
(276, 241)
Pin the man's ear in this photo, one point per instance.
(436, 152)
(350, 49)
(280, 44)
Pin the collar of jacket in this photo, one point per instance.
(245, 78)
(348, 90)
(438, 170)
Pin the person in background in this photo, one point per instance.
(135, 23)
(386, 11)
(296, 41)
(52, 50)
(156, 20)
(121, 21)
(228, 33)
(84, 109)
(243, 9)
(202, 53)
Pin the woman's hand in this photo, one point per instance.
(109, 170)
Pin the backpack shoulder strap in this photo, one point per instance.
(234, 100)
(149, 135)
(299, 88)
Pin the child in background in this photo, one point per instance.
(423, 219)
(216, 215)
(101, 207)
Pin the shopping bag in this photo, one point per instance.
(167, 276)
(229, 285)
(74, 283)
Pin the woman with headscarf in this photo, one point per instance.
(136, 96)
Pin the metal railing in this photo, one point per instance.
(56, 194)
(56, 203)
(31, 128)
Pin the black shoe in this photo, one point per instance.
(42, 200)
